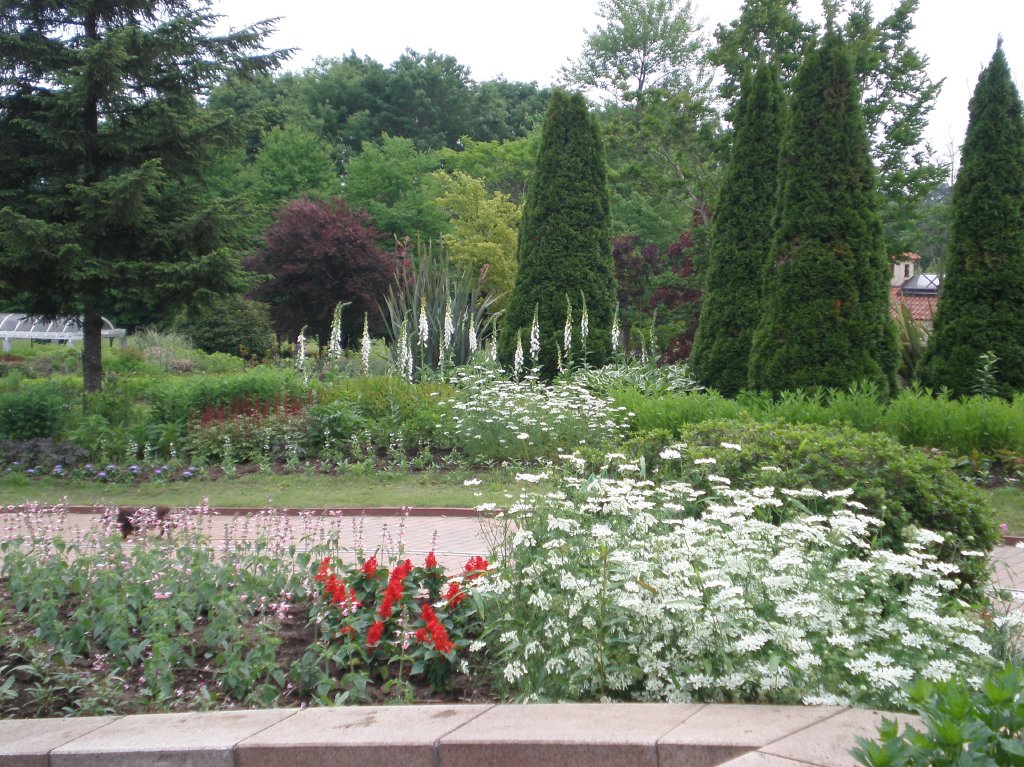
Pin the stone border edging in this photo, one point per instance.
(536, 735)
(342, 511)
(1012, 540)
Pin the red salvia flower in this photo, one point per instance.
(431, 561)
(455, 594)
(422, 635)
(321, 573)
(476, 567)
(369, 566)
(374, 634)
(396, 588)
(442, 643)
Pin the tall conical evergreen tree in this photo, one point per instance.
(981, 306)
(742, 237)
(564, 251)
(825, 298)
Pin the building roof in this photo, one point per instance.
(922, 308)
(907, 257)
(65, 329)
(921, 284)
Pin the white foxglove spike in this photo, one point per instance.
(367, 344)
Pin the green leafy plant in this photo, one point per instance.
(964, 725)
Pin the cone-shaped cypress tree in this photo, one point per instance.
(564, 249)
(825, 296)
(742, 237)
(981, 306)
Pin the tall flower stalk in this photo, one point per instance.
(441, 309)
(535, 337)
(367, 344)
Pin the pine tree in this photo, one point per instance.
(825, 296)
(981, 306)
(103, 145)
(564, 250)
(741, 238)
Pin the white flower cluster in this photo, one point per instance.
(664, 592)
(496, 418)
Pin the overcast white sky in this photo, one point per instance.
(530, 39)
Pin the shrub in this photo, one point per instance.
(633, 589)
(650, 380)
(397, 409)
(330, 427)
(495, 419)
(31, 412)
(320, 253)
(564, 251)
(962, 725)
(981, 308)
(825, 295)
(179, 399)
(904, 488)
(232, 325)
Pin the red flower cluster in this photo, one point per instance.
(455, 594)
(335, 589)
(396, 586)
(436, 632)
(476, 567)
(369, 567)
(431, 561)
(374, 634)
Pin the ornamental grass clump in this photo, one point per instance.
(492, 418)
(632, 590)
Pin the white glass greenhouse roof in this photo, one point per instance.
(66, 329)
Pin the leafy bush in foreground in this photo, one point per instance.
(904, 488)
(963, 726)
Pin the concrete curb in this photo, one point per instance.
(538, 735)
(343, 511)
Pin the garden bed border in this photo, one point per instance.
(459, 735)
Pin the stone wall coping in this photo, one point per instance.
(453, 735)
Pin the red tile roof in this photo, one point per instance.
(921, 307)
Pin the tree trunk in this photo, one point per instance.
(92, 349)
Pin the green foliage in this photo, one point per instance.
(963, 725)
(741, 238)
(981, 307)
(504, 167)
(915, 418)
(395, 184)
(564, 241)
(179, 399)
(232, 325)
(644, 44)
(483, 231)
(826, 296)
(31, 412)
(436, 316)
(913, 341)
(904, 488)
(104, 103)
(292, 161)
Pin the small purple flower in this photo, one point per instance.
(88, 466)
(111, 467)
(134, 469)
(186, 473)
(102, 474)
(31, 471)
(16, 464)
(156, 471)
(164, 468)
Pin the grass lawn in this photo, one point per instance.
(293, 491)
(1008, 502)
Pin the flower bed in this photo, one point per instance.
(633, 590)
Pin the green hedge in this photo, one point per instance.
(902, 487)
(915, 418)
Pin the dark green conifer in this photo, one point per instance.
(825, 297)
(742, 237)
(981, 306)
(564, 250)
